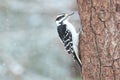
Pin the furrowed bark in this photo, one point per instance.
(100, 40)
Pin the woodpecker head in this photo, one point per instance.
(62, 17)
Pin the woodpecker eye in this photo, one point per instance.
(60, 17)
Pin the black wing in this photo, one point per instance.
(66, 37)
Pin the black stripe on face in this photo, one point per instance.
(60, 17)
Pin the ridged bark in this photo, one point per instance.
(100, 40)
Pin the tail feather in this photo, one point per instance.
(77, 60)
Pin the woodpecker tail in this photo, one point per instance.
(77, 60)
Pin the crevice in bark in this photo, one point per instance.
(95, 37)
(112, 66)
(114, 49)
(112, 70)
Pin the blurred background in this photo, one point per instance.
(30, 48)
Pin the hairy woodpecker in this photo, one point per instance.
(68, 35)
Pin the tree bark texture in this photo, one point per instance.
(100, 40)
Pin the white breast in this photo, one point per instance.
(75, 35)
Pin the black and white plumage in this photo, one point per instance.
(68, 35)
(66, 38)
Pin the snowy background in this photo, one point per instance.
(29, 45)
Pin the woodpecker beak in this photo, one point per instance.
(68, 15)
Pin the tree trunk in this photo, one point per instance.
(100, 40)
